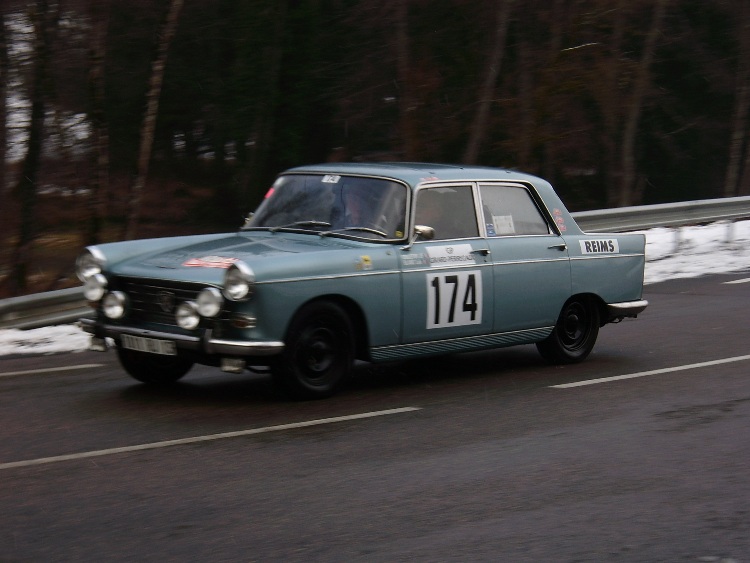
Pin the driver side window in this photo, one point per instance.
(449, 211)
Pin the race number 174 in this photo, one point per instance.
(454, 299)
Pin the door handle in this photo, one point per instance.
(561, 247)
(482, 251)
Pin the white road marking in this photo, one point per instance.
(206, 438)
(745, 280)
(652, 372)
(50, 370)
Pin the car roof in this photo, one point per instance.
(414, 173)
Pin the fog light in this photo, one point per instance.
(187, 315)
(209, 302)
(94, 287)
(114, 304)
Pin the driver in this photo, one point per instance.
(360, 210)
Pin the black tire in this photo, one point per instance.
(319, 352)
(575, 333)
(154, 369)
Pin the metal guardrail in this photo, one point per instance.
(68, 305)
(43, 309)
(664, 215)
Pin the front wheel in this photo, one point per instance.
(575, 333)
(319, 352)
(154, 369)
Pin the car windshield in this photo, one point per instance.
(333, 205)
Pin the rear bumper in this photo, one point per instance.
(618, 311)
(204, 344)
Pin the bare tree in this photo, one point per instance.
(264, 123)
(149, 120)
(641, 84)
(611, 104)
(478, 128)
(4, 69)
(100, 180)
(45, 17)
(406, 103)
(737, 179)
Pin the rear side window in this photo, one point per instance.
(510, 210)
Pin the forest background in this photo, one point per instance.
(127, 119)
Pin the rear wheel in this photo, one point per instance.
(154, 369)
(575, 333)
(319, 352)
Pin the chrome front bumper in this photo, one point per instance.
(205, 344)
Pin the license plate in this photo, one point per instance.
(150, 345)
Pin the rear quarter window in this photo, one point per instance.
(511, 211)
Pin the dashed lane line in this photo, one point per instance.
(652, 372)
(50, 370)
(744, 280)
(206, 438)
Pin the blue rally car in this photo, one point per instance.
(376, 262)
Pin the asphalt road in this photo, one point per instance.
(478, 457)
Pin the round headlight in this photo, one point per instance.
(239, 282)
(187, 315)
(209, 302)
(89, 263)
(114, 304)
(94, 287)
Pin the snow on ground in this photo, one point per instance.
(670, 253)
(690, 252)
(47, 340)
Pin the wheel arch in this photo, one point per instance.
(595, 300)
(356, 317)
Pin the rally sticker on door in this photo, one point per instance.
(454, 299)
(453, 255)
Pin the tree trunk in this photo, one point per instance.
(100, 134)
(611, 107)
(44, 20)
(264, 125)
(4, 68)
(487, 91)
(737, 178)
(149, 120)
(406, 98)
(642, 79)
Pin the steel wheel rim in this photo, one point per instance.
(575, 327)
(318, 352)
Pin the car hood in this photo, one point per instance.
(207, 261)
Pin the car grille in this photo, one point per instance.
(155, 301)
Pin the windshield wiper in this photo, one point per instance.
(361, 229)
(301, 224)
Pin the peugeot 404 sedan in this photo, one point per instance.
(376, 262)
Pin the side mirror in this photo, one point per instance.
(248, 218)
(424, 232)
